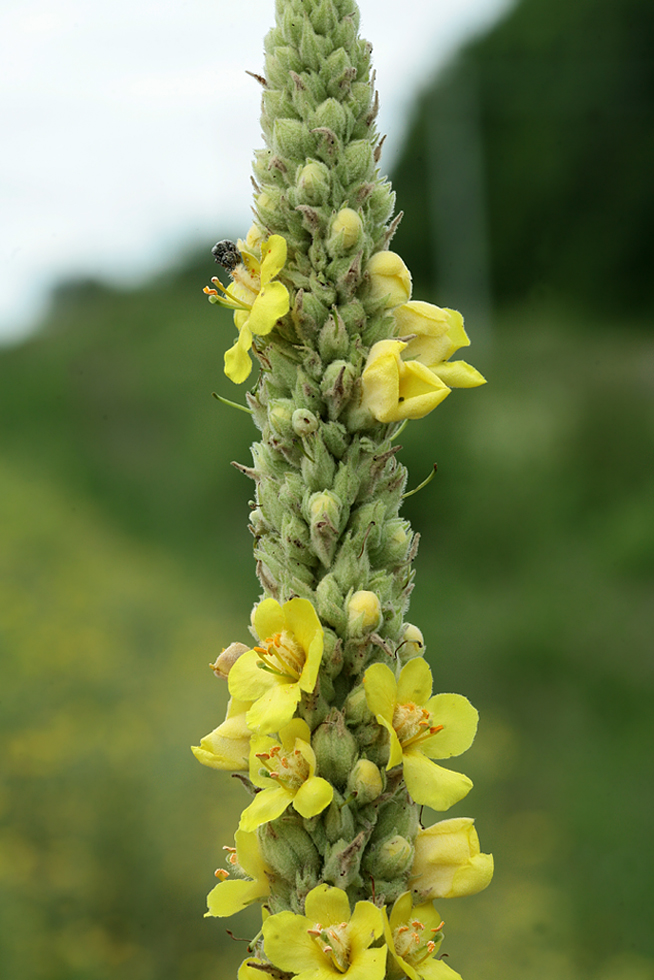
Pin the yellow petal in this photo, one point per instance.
(366, 924)
(296, 729)
(229, 897)
(472, 877)
(237, 359)
(275, 708)
(327, 905)
(271, 305)
(415, 682)
(249, 857)
(381, 691)
(265, 807)
(268, 618)
(246, 681)
(313, 796)
(459, 720)
(432, 785)
(420, 391)
(273, 257)
(458, 374)
(288, 944)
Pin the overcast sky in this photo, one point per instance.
(128, 127)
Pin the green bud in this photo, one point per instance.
(366, 781)
(335, 437)
(280, 414)
(304, 422)
(397, 816)
(342, 861)
(329, 602)
(286, 846)
(356, 708)
(389, 859)
(337, 386)
(290, 140)
(295, 535)
(359, 161)
(335, 748)
(313, 183)
(339, 822)
(330, 115)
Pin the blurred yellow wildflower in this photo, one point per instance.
(274, 675)
(327, 942)
(285, 772)
(422, 728)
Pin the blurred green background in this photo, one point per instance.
(125, 560)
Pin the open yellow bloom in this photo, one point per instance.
(448, 861)
(413, 936)
(285, 771)
(228, 746)
(274, 675)
(438, 334)
(327, 942)
(233, 894)
(422, 728)
(257, 301)
(394, 389)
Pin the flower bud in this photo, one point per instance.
(366, 781)
(412, 645)
(304, 422)
(356, 706)
(335, 748)
(448, 862)
(280, 415)
(338, 822)
(363, 612)
(285, 846)
(313, 183)
(330, 114)
(325, 506)
(346, 230)
(390, 859)
(390, 280)
(226, 660)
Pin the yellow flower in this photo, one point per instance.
(448, 862)
(422, 728)
(233, 894)
(390, 280)
(439, 333)
(327, 942)
(413, 936)
(285, 771)
(274, 675)
(258, 303)
(394, 389)
(228, 746)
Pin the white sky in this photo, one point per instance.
(128, 127)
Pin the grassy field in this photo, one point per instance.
(125, 565)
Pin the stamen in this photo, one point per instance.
(221, 873)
